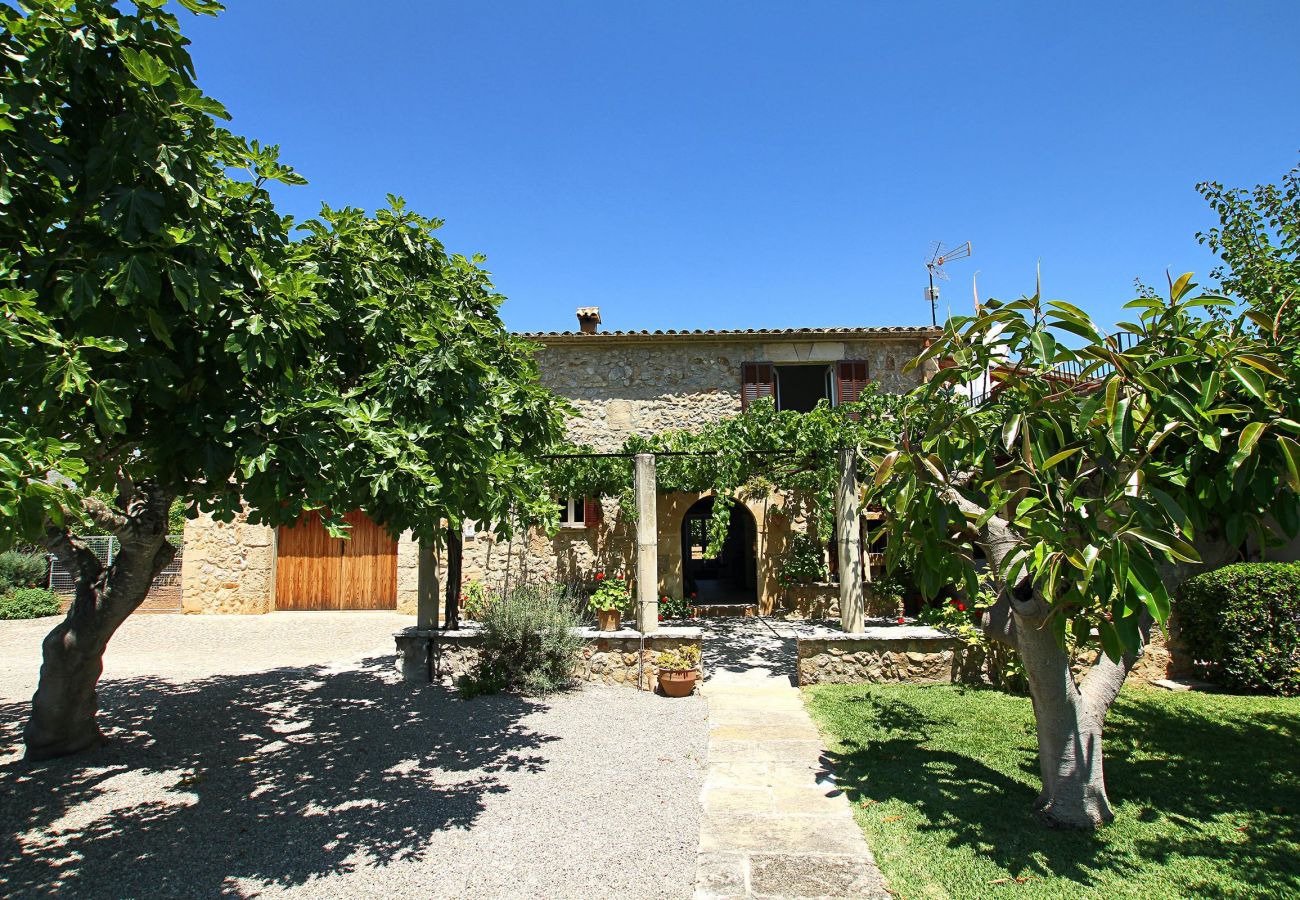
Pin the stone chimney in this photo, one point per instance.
(588, 319)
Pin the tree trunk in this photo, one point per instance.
(65, 704)
(455, 550)
(1069, 734)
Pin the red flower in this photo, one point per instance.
(961, 607)
(900, 620)
(600, 576)
(664, 600)
(661, 617)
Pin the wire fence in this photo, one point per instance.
(166, 584)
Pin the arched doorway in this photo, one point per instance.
(731, 576)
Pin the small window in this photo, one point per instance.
(580, 512)
(573, 513)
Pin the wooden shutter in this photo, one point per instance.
(756, 380)
(591, 511)
(851, 379)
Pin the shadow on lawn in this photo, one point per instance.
(277, 777)
(1164, 761)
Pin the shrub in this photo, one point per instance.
(676, 607)
(475, 600)
(1241, 625)
(528, 642)
(29, 603)
(803, 563)
(22, 570)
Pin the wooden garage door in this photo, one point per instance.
(316, 571)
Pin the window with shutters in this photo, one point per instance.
(580, 512)
(801, 387)
(757, 380)
(852, 380)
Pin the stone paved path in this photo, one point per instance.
(774, 824)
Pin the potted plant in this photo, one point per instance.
(679, 669)
(608, 600)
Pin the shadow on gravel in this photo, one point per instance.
(277, 777)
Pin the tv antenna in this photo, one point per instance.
(934, 265)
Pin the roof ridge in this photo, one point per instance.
(668, 332)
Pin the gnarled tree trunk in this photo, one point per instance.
(1069, 716)
(65, 704)
(1069, 733)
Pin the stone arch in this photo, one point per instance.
(672, 511)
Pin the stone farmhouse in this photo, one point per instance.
(620, 383)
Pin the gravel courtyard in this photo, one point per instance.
(278, 754)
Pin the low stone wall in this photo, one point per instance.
(918, 654)
(607, 657)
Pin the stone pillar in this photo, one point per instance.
(647, 546)
(426, 611)
(848, 531)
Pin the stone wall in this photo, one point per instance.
(612, 658)
(227, 567)
(890, 654)
(647, 385)
(408, 574)
(922, 655)
(621, 387)
(230, 568)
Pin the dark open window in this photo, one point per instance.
(801, 388)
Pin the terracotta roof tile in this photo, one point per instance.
(740, 332)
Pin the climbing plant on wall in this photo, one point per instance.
(759, 450)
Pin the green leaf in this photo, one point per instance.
(1263, 364)
(159, 328)
(108, 344)
(1110, 642)
(1250, 381)
(1121, 426)
(1159, 437)
(1250, 436)
(1060, 457)
(110, 409)
(141, 272)
(145, 66)
(1291, 460)
(1171, 507)
(1180, 287)
(1175, 547)
(1010, 429)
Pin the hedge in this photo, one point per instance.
(22, 570)
(1241, 625)
(29, 603)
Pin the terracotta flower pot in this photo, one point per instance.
(678, 684)
(608, 619)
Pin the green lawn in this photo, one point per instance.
(1206, 790)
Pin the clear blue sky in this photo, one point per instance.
(694, 165)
